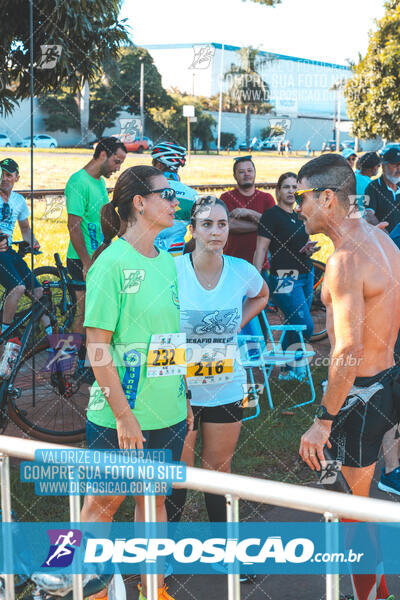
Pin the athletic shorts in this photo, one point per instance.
(369, 411)
(168, 438)
(225, 413)
(14, 271)
(75, 269)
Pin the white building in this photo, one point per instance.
(299, 89)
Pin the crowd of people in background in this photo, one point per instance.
(203, 266)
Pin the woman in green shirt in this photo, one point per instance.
(132, 300)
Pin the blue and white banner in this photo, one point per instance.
(199, 548)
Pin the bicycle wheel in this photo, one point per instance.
(318, 310)
(57, 412)
(64, 319)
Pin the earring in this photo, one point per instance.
(142, 211)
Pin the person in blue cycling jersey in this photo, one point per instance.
(169, 157)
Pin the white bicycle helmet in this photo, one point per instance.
(169, 154)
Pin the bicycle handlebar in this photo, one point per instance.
(24, 248)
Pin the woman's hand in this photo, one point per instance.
(189, 419)
(130, 436)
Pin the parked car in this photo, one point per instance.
(352, 144)
(331, 146)
(135, 144)
(5, 141)
(269, 144)
(132, 144)
(41, 140)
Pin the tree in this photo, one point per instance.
(269, 131)
(170, 124)
(228, 140)
(87, 33)
(115, 89)
(373, 93)
(126, 86)
(246, 87)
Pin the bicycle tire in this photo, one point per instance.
(51, 274)
(56, 416)
(318, 310)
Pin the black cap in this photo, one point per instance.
(9, 165)
(369, 160)
(392, 155)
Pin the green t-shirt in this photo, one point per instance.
(135, 297)
(85, 196)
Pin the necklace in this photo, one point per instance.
(203, 280)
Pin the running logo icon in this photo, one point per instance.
(50, 56)
(203, 55)
(287, 277)
(330, 472)
(132, 280)
(63, 543)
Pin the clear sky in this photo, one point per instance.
(330, 30)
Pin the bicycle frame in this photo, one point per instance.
(39, 308)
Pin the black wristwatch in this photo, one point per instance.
(188, 395)
(323, 415)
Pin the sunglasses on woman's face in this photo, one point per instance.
(299, 195)
(165, 193)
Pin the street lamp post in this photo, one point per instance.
(141, 99)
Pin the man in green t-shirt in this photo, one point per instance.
(85, 195)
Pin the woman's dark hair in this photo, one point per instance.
(283, 177)
(132, 182)
(204, 202)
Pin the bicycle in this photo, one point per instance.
(41, 396)
(63, 288)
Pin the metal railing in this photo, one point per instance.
(331, 505)
(201, 186)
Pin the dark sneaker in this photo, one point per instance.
(390, 482)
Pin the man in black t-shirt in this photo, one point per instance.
(291, 276)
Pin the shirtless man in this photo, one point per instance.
(361, 292)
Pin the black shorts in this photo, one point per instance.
(225, 413)
(369, 411)
(75, 269)
(14, 271)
